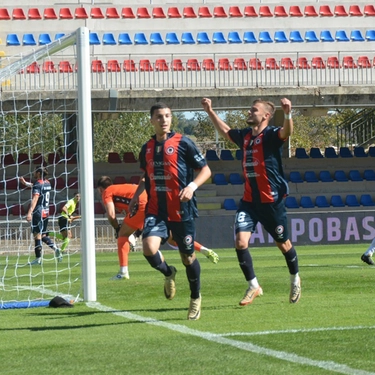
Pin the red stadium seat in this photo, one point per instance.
(224, 64)
(280, 11)
(18, 210)
(295, 11)
(119, 180)
(127, 12)
(310, 11)
(53, 158)
(113, 66)
(112, 13)
(96, 13)
(7, 159)
(49, 67)
(98, 208)
(348, 62)
(193, 64)
(18, 14)
(250, 11)
(71, 158)
(23, 158)
(129, 157)
(317, 63)
(265, 11)
(4, 14)
(38, 159)
(135, 180)
(303, 63)
(239, 64)
(173, 12)
(129, 66)
(161, 65)
(333, 62)
(369, 10)
(3, 210)
(142, 12)
(234, 11)
(114, 157)
(65, 67)
(33, 68)
(364, 62)
(354, 10)
(286, 63)
(208, 64)
(219, 11)
(80, 13)
(158, 12)
(49, 14)
(204, 12)
(178, 65)
(97, 66)
(65, 14)
(189, 12)
(73, 182)
(271, 64)
(325, 11)
(34, 14)
(255, 64)
(340, 11)
(145, 66)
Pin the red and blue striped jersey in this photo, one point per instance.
(261, 164)
(169, 167)
(43, 189)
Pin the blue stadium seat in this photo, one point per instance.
(366, 200)
(325, 176)
(369, 175)
(345, 152)
(325, 36)
(202, 38)
(218, 37)
(140, 38)
(219, 179)
(171, 38)
(280, 37)
(265, 37)
(321, 201)
(306, 202)
(291, 202)
(239, 154)
(341, 36)
(356, 36)
(229, 204)
(301, 153)
(124, 38)
(187, 38)
(12, 40)
(315, 153)
(310, 36)
(354, 175)
(371, 151)
(211, 155)
(226, 155)
(59, 36)
(249, 37)
(94, 38)
(28, 40)
(330, 152)
(351, 201)
(370, 35)
(44, 38)
(336, 201)
(156, 38)
(359, 152)
(234, 37)
(340, 176)
(109, 39)
(235, 178)
(310, 176)
(295, 37)
(295, 177)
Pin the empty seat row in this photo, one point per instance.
(234, 178)
(37, 159)
(330, 152)
(326, 176)
(321, 201)
(188, 12)
(127, 157)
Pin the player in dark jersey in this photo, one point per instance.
(38, 214)
(265, 188)
(168, 161)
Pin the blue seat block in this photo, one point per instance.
(310, 176)
(235, 179)
(156, 38)
(94, 39)
(202, 38)
(109, 39)
(351, 201)
(28, 40)
(301, 153)
(315, 153)
(234, 37)
(140, 38)
(187, 38)
(366, 200)
(336, 201)
(354, 175)
(211, 155)
(291, 202)
(219, 179)
(12, 40)
(306, 202)
(321, 201)
(325, 176)
(124, 38)
(295, 177)
(171, 38)
(340, 176)
(230, 204)
(226, 155)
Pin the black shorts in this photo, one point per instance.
(39, 224)
(63, 223)
(182, 232)
(272, 216)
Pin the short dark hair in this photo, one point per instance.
(156, 106)
(42, 170)
(104, 182)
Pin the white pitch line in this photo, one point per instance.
(290, 357)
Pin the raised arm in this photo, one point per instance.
(287, 129)
(219, 124)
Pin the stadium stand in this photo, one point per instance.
(306, 202)
(219, 179)
(315, 153)
(321, 201)
(340, 176)
(310, 176)
(235, 178)
(330, 152)
(344, 152)
(295, 177)
(366, 200)
(226, 155)
(301, 153)
(291, 202)
(336, 201)
(229, 204)
(325, 176)
(355, 175)
(351, 200)
(369, 175)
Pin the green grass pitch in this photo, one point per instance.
(133, 329)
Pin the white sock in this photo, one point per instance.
(124, 269)
(294, 278)
(253, 283)
(371, 249)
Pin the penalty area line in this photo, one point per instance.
(217, 338)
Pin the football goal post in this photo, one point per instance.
(45, 121)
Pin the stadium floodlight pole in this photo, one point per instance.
(86, 166)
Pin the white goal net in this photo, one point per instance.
(41, 120)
